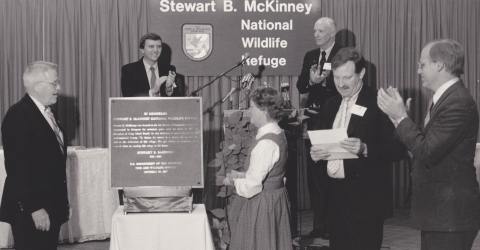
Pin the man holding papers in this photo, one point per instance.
(358, 188)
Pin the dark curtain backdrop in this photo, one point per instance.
(92, 39)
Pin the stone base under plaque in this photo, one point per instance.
(158, 199)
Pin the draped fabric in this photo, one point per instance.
(21, 43)
(92, 39)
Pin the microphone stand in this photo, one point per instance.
(210, 110)
(195, 92)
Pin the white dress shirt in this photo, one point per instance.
(149, 77)
(443, 88)
(340, 174)
(327, 53)
(46, 115)
(262, 158)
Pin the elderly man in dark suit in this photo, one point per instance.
(149, 76)
(359, 189)
(445, 195)
(318, 83)
(34, 200)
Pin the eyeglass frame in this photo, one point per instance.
(54, 83)
(421, 65)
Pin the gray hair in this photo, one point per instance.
(450, 53)
(32, 73)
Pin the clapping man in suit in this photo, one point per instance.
(149, 76)
(34, 200)
(319, 85)
(445, 195)
(358, 193)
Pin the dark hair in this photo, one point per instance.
(450, 52)
(349, 54)
(266, 98)
(151, 36)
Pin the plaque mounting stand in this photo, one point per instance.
(158, 199)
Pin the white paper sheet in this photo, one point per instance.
(329, 140)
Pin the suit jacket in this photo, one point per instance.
(135, 81)
(317, 93)
(35, 165)
(368, 179)
(445, 195)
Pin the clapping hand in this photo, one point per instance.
(158, 83)
(391, 103)
(316, 76)
(170, 79)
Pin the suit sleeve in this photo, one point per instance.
(456, 118)
(387, 148)
(127, 80)
(303, 84)
(18, 153)
(163, 91)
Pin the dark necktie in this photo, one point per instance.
(322, 60)
(427, 117)
(55, 128)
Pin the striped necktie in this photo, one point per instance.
(55, 128)
(334, 165)
(153, 78)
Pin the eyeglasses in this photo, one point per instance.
(55, 83)
(421, 65)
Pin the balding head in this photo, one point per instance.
(325, 31)
(327, 22)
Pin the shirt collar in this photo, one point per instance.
(444, 88)
(327, 51)
(354, 97)
(148, 66)
(271, 127)
(40, 106)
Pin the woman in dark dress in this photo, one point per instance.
(259, 217)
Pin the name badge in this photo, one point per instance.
(358, 110)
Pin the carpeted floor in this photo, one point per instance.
(397, 235)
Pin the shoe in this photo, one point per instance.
(326, 236)
(295, 233)
(316, 233)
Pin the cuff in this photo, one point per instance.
(151, 94)
(400, 119)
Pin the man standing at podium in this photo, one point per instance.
(35, 201)
(319, 85)
(149, 76)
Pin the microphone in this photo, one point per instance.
(284, 88)
(228, 95)
(247, 81)
(244, 59)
